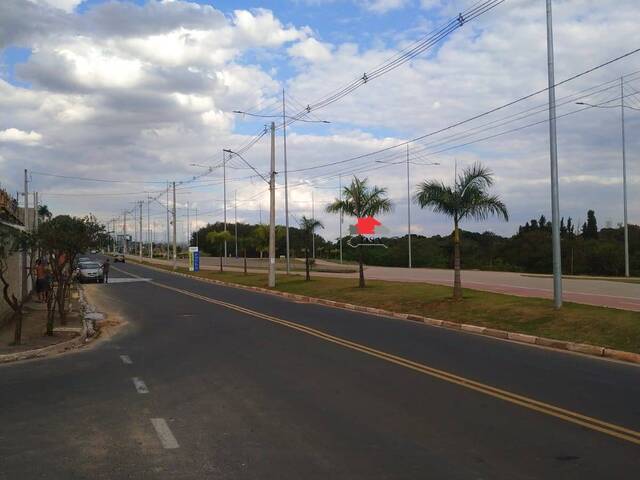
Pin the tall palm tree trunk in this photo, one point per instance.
(306, 263)
(361, 284)
(457, 281)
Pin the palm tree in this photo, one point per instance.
(44, 213)
(468, 198)
(360, 201)
(308, 227)
(218, 239)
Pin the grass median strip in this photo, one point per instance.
(618, 329)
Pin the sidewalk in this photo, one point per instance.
(34, 322)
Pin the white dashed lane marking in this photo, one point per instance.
(126, 359)
(140, 385)
(164, 433)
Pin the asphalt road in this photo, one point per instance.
(589, 291)
(263, 388)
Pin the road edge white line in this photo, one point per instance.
(164, 433)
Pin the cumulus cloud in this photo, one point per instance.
(66, 5)
(14, 135)
(143, 91)
(311, 49)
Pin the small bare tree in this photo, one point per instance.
(11, 242)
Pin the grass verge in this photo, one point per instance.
(619, 329)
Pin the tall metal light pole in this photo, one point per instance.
(175, 249)
(188, 226)
(624, 168)
(140, 239)
(149, 239)
(553, 151)
(340, 216)
(407, 161)
(235, 215)
(168, 222)
(286, 181)
(408, 209)
(224, 199)
(624, 182)
(313, 216)
(125, 246)
(272, 210)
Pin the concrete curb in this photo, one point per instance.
(583, 348)
(85, 334)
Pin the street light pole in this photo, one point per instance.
(140, 239)
(624, 182)
(553, 151)
(175, 249)
(286, 182)
(235, 218)
(272, 210)
(224, 199)
(408, 207)
(168, 222)
(149, 239)
(340, 216)
(313, 235)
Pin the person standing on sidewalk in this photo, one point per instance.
(105, 271)
(41, 280)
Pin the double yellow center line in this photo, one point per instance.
(526, 402)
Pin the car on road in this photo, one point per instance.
(118, 257)
(94, 251)
(90, 272)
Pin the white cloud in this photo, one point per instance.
(141, 92)
(14, 135)
(384, 6)
(66, 5)
(311, 49)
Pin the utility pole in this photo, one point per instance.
(26, 201)
(624, 182)
(175, 250)
(340, 216)
(286, 182)
(35, 211)
(224, 198)
(553, 150)
(272, 210)
(149, 239)
(408, 208)
(235, 215)
(188, 226)
(140, 239)
(168, 221)
(124, 235)
(197, 239)
(313, 235)
(25, 270)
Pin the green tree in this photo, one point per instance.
(590, 228)
(260, 239)
(218, 239)
(360, 201)
(62, 239)
(43, 212)
(308, 227)
(467, 198)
